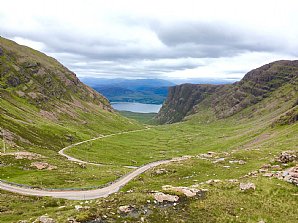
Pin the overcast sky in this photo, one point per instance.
(156, 39)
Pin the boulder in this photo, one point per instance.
(287, 157)
(126, 209)
(219, 160)
(160, 171)
(247, 186)
(44, 219)
(161, 197)
(81, 208)
(187, 191)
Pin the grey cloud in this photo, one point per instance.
(215, 39)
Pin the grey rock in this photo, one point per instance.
(126, 209)
(247, 186)
(44, 219)
(161, 197)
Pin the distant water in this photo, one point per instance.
(136, 107)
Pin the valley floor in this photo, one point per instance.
(255, 143)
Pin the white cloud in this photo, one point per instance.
(174, 39)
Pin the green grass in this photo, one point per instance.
(145, 118)
(248, 135)
(273, 200)
(164, 142)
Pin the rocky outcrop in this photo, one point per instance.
(181, 101)
(161, 197)
(227, 100)
(43, 165)
(254, 87)
(42, 80)
(186, 191)
(287, 156)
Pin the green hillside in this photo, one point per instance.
(230, 135)
(43, 108)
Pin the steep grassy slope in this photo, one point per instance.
(229, 99)
(42, 101)
(43, 108)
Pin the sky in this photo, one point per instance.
(156, 39)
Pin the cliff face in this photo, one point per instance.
(227, 100)
(181, 101)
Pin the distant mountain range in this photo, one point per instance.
(149, 91)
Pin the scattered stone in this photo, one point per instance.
(268, 175)
(72, 220)
(160, 171)
(78, 207)
(247, 186)
(30, 64)
(1, 52)
(206, 155)
(23, 221)
(240, 162)
(253, 174)
(266, 166)
(42, 166)
(233, 181)
(187, 191)
(226, 167)
(287, 157)
(23, 155)
(182, 158)
(212, 182)
(126, 209)
(219, 160)
(291, 175)
(81, 208)
(263, 170)
(161, 197)
(276, 167)
(44, 219)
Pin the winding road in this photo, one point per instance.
(87, 194)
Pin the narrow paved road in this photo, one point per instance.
(70, 158)
(87, 194)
